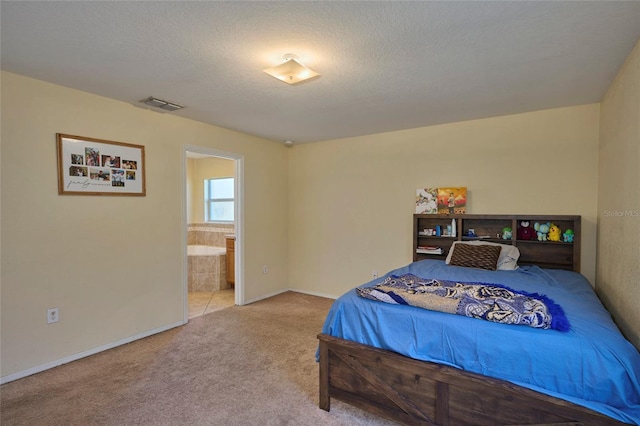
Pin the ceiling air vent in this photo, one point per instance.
(159, 103)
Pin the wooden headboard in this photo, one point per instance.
(546, 254)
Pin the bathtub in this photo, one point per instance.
(205, 251)
(207, 269)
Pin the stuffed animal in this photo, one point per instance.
(506, 233)
(567, 237)
(542, 230)
(525, 232)
(554, 232)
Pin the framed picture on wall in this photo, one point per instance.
(88, 166)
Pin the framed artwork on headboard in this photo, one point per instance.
(427, 201)
(452, 200)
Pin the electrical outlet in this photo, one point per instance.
(375, 274)
(53, 315)
(265, 269)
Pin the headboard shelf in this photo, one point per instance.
(490, 228)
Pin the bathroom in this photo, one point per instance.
(210, 233)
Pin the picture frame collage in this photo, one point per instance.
(89, 166)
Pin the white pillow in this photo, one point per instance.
(508, 260)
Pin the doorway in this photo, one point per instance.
(209, 224)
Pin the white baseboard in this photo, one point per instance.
(48, 365)
(275, 293)
(265, 296)
(314, 293)
(75, 357)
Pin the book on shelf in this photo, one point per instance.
(429, 250)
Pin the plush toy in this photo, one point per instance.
(506, 233)
(542, 230)
(567, 237)
(525, 232)
(554, 232)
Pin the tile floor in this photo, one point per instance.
(205, 302)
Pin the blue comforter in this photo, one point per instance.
(591, 365)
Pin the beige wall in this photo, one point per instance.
(113, 265)
(340, 211)
(619, 199)
(352, 200)
(198, 170)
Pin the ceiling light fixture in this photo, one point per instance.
(159, 103)
(291, 71)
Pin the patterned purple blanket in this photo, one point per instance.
(490, 302)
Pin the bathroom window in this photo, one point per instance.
(218, 200)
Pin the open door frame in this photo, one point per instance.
(238, 221)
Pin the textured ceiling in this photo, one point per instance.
(385, 65)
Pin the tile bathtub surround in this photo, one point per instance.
(207, 273)
(208, 234)
(191, 238)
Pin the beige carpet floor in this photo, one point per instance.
(243, 365)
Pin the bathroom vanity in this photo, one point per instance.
(231, 264)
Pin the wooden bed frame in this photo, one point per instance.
(416, 392)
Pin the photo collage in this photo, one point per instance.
(103, 167)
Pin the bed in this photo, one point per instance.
(418, 366)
